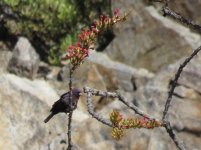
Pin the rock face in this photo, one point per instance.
(24, 104)
(25, 60)
(99, 70)
(152, 41)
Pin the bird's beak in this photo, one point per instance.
(80, 94)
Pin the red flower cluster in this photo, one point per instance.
(120, 124)
(79, 51)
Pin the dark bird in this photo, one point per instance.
(64, 105)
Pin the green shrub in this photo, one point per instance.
(52, 25)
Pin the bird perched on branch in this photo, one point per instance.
(64, 105)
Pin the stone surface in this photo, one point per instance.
(147, 39)
(43, 70)
(5, 57)
(25, 60)
(125, 76)
(103, 73)
(3, 46)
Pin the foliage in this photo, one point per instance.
(52, 25)
(120, 124)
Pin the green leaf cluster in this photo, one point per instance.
(52, 25)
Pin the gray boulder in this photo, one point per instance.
(25, 60)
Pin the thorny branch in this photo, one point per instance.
(174, 137)
(134, 108)
(174, 82)
(70, 145)
(91, 109)
(176, 140)
(168, 12)
(90, 92)
(117, 95)
(176, 16)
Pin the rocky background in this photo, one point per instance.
(140, 62)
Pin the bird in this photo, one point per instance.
(64, 105)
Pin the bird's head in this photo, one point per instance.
(76, 92)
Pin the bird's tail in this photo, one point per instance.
(49, 117)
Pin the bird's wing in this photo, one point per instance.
(65, 98)
(65, 95)
(61, 103)
(58, 106)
